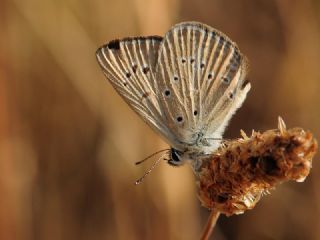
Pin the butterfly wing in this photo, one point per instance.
(129, 64)
(201, 82)
(184, 86)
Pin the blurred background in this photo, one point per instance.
(68, 142)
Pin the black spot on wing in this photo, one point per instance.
(226, 80)
(134, 68)
(146, 70)
(179, 119)
(128, 75)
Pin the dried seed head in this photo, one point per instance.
(244, 135)
(235, 177)
(281, 125)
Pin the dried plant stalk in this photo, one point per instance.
(235, 177)
(212, 220)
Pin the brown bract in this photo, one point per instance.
(235, 177)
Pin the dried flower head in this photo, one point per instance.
(235, 177)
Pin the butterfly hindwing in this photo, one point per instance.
(201, 81)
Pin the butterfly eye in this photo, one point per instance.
(179, 119)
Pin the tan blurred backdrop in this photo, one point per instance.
(68, 142)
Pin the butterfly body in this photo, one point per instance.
(186, 85)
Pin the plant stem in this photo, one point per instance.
(214, 215)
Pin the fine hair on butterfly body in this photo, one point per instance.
(185, 86)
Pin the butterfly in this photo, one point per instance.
(185, 85)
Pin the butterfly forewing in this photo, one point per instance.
(203, 71)
(130, 64)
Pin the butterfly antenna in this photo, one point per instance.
(149, 171)
(153, 154)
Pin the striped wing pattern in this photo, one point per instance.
(187, 84)
(204, 72)
(129, 64)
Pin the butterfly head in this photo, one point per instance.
(176, 158)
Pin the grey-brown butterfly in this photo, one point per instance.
(186, 85)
